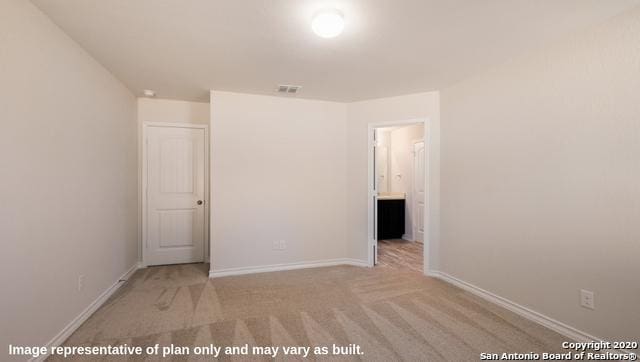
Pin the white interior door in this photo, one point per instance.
(418, 191)
(175, 207)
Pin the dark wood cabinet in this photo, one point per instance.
(390, 219)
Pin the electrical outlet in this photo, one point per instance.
(587, 299)
(80, 282)
(276, 245)
(279, 245)
(283, 245)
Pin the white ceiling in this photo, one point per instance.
(183, 48)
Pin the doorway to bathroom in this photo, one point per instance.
(397, 205)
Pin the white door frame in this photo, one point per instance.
(144, 166)
(428, 256)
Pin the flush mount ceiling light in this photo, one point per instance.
(328, 23)
(149, 93)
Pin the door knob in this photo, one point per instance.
(199, 202)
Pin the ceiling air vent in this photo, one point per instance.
(288, 89)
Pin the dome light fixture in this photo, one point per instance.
(328, 23)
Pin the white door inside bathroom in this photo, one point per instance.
(418, 191)
(175, 209)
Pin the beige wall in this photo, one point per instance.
(296, 183)
(172, 111)
(68, 186)
(360, 114)
(540, 179)
(278, 172)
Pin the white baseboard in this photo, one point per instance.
(85, 314)
(289, 266)
(555, 325)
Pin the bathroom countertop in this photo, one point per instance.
(391, 196)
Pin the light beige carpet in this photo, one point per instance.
(392, 315)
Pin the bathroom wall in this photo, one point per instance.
(401, 142)
(383, 158)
